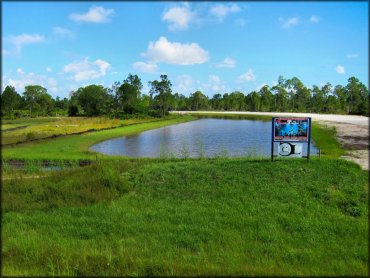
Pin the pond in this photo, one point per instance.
(207, 137)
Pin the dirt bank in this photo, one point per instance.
(355, 139)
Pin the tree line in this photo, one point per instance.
(125, 99)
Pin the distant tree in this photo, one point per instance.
(128, 98)
(198, 101)
(281, 97)
(10, 100)
(128, 95)
(37, 98)
(341, 94)
(237, 101)
(61, 103)
(160, 93)
(227, 102)
(267, 99)
(253, 100)
(216, 102)
(180, 102)
(93, 99)
(357, 95)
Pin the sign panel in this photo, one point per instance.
(291, 129)
(290, 149)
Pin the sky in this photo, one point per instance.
(214, 47)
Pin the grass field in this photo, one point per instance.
(145, 217)
(23, 130)
(193, 217)
(76, 146)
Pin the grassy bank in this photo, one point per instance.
(193, 217)
(28, 129)
(76, 146)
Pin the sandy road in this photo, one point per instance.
(352, 131)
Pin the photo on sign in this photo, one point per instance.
(291, 129)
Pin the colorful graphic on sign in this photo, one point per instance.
(291, 129)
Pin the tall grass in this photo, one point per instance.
(194, 217)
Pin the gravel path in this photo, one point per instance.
(352, 131)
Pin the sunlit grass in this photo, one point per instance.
(191, 217)
(77, 146)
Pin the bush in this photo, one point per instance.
(157, 113)
(30, 136)
(72, 110)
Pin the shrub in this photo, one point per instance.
(30, 136)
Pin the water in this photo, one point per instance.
(200, 138)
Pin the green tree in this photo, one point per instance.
(253, 100)
(180, 102)
(128, 94)
(341, 94)
(237, 101)
(93, 99)
(10, 100)
(198, 101)
(216, 102)
(281, 98)
(357, 95)
(160, 93)
(267, 99)
(37, 98)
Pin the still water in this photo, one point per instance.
(200, 138)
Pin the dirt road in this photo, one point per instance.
(352, 131)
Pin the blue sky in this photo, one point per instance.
(215, 47)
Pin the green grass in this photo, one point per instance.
(193, 217)
(75, 147)
(325, 139)
(44, 127)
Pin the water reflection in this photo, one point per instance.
(201, 138)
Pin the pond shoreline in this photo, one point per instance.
(352, 130)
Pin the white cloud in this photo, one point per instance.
(340, 69)
(314, 19)
(24, 79)
(175, 53)
(178, 17)
(246, 77)
(85, 70)
(103, 66)
(240, 22)
(352, 56)
(48, 69)
(227, 63)
(183, 84)
(96, 14)
(220, 11)
(20, 71)
(63, 33)
(19, 41)
(214, 78)
(289, 22)
(145, 67)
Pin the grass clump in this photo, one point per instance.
(77, 187)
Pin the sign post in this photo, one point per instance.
(291, 132)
